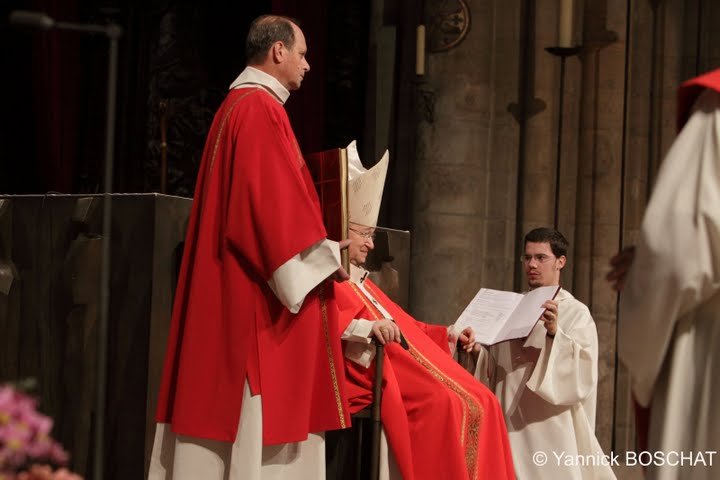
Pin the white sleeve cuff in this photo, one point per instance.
(294, 279)
(359, 347)
(453, 333)
(358, 331)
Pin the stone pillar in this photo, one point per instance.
(466, 169)
(487, 168)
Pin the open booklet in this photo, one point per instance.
(496, 315)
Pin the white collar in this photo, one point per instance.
(358, 274)
(253, 76)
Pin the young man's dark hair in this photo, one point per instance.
(266, 30)
(558, 243)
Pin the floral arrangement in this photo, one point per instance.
(27, 451)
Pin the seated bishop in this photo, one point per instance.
(438, 420)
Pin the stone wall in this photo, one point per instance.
(487, 167)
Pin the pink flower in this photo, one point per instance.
(58, 454)
(7, 393)
(65, 474)
(25, 438)
(37, 422)
(12, 452)
(7, 404)
(16, 430)
(40, 447)
(37, 472)
(45, 472)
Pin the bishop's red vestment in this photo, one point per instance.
(254, 208)
(440, 421)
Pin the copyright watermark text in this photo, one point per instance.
(644, 458)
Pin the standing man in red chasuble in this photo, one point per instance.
(254, 369)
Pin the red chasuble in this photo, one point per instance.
(440, 421)
(254, 208)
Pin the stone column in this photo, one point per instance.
(466, 169)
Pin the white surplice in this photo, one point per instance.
(178, 457)
(669, 323)
(548, 389)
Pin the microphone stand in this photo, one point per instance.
(113, 32)
(563, 53)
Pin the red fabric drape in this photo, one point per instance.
(56, 76)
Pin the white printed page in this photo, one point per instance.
(487, 313)
(526, 314)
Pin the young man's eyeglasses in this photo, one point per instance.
(539, 258)
(365, 235)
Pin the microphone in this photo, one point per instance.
(41, 21)
(25, 18)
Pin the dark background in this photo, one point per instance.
(181, 52)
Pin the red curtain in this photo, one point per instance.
(55, 79)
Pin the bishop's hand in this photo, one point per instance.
(385, 330)
(341, 274)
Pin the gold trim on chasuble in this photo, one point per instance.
(321, 293)
(472, 411)
(331, 362)
(323, 308)
(222, 128)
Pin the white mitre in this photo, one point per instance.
(365, 187)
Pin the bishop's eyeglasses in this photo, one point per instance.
(365, 235)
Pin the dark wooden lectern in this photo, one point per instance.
(50, 247)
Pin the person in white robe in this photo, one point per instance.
(669, 319)
(547, 382)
